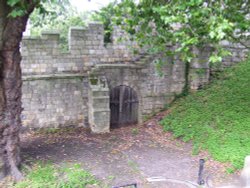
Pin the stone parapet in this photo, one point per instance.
(43, 55)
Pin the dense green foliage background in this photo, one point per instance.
(183, 24)
(217, 119)
(57, 17)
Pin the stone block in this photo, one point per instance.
(51, 35)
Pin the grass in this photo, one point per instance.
(50, 176)
(217, 119)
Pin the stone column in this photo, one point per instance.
(98, 104)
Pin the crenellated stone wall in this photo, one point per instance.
(42, 55)
(57, 88)
(55, 83)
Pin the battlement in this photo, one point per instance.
(43, 55)
(91, 37)
(79, 38)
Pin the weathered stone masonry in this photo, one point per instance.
(73, 88)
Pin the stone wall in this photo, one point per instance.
(42, 55)
(57, 88)
(201, 72)
(54, 102)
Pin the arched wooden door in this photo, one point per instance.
(123, 106)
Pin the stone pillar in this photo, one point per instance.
(99, 110)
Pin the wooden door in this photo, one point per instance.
(123, 106)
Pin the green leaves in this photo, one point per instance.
(18, 7)
(220, 28)
(55, 16)
(12, 3)
(22, 7)
(109, 15)
(187, 24)
(17, 12)
(215, 58)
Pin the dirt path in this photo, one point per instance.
(125, 155)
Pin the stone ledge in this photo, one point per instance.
(52, 76)
(31, 38)
(101, 97)
(118, 66)
(101, 110)
(95, 88)
(76, 28)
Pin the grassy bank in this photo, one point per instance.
(217, 118)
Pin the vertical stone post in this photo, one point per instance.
(99, 110)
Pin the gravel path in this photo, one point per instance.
(126, 155)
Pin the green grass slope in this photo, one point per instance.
(217, 119)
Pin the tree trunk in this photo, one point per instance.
(10, 92)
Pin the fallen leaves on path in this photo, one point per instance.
(117, 141)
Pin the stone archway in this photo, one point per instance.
(124, 105)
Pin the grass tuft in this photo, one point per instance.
(49, 176)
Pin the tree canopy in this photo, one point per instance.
(59, 17)
(186, 24)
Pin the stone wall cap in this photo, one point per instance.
(101, 110)
(51, 76)
(77, 28)
(98, 88)
(118, 66)
(95, 23)
(100, 97)
(30, 38)
(50, 32)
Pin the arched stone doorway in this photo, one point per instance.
(123, 106)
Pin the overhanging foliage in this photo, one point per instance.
(185, 24)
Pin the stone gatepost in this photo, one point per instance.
(98, 104)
